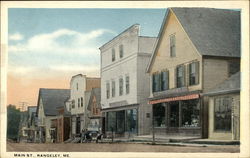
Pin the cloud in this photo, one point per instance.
(16, 37)
(62, 41)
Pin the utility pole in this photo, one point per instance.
(22, 108)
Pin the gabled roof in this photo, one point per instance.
(97, 93)
(52, 98)
(214, 32)
(230, 85)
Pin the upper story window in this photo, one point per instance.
(81, 102)
(76, 86)
(193, 69)
(160, 81)
(113, 88)
(73, 104)
(222, 114)
(107, 90)
(78, 102)
(180, 76)
(121, 86)
(127, 84)
(121, 51)
(172, 46)
(113, 54)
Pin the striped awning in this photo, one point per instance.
(186, 97)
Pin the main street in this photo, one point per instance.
(119, 147)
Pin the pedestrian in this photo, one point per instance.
(82, 135)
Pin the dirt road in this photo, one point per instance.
(118, 147)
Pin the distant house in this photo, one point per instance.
(198, 48)
(80, 88)
(32, 123)
(124, 83)
(94, 108)
(224, 109)
(48, 102)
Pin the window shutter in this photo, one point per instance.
(167, 79)
(175, 77)
(188, 74)
(184, 75)
(197, 72)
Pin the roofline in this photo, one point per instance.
(119, 35)
(221, 92)
(159, 38)
(78, 75)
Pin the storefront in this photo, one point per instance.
(122, 122)
(177, 115)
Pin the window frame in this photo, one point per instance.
(121, 51)
(195, 74)
(113, 55)
(183, 77)
(120, 86)
(172, 44)
(107, 90)
(127, 84)
(113, 88)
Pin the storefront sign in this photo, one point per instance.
(186, 97)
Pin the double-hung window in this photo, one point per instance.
(81, 101)
(113, 54)
(127, 84)
(113, 88)
(121, 51)
(172, 46)
(164, 80)
(121, 86)
(180, 76)
(193, 73)
(107, 90)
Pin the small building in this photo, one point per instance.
(80, 89)
(48, 102)
(198, 48)
(224, 110)
(125, 85)
(32, 124)
(94, 108)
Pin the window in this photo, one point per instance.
(164, 80)
(111, 121)
(172, 46)
(76, 86)
(81, 102)
(121, 51)
(190, 113)
(222, 114)
(107, 90)
(159, 115)
(113, 54)
(120, 119)
(131, 120)
(113, 88)
(78, 102)
(174, 114)
(121, 86)
(160, 81)
(180, 76)
(194, 73)
(73, 104)
(127, 84)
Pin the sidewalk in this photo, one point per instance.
(173, 140)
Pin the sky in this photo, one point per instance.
(48, 46)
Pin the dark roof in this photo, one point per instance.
(214, 32)
(53, 98)
(97, 93)
(230, 85)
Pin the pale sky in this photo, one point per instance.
(48, 46)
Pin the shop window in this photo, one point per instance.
(131, 120)
(113, 88)
(180, 76)
(120, 115)
(159, 115)
(113, 54)
(111, 121)
(127, 84)
(174, 114)
(172, 46)
(121, 86)
(190, 113)
(107, 90)
(222, 114)
(121, 51)
(194, 73)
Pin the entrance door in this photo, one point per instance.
(174, 114)
(78, 125)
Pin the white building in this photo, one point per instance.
(124, 83)
(80, 89)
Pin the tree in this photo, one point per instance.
(13, 120)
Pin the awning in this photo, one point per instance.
(186, 97)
